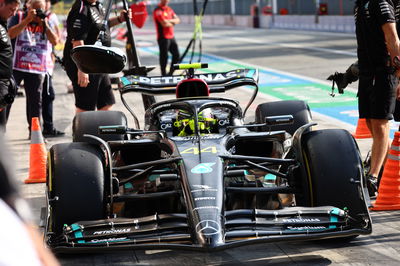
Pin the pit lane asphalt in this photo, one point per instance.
(311, 54)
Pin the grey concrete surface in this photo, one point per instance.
(264, 49)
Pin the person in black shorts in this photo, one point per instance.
(84, 22)
(378, 47)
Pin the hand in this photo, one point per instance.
(43, 23)
(121, 16)
(83, 79)
(31, 14)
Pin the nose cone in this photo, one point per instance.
(210, 233)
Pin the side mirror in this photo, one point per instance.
(98, 59)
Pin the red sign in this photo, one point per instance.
(323, 9)
(139, 14)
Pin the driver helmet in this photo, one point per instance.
(185, 123)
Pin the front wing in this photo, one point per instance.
(242, 227)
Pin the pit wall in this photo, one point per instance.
(344, 24)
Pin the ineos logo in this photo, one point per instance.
(208, 227)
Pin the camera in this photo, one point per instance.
(344, 79)
(40, 13)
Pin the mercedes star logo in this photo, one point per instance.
(208, 227)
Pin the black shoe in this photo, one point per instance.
(372, 185)
(52, 133)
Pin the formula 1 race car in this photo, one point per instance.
(197, 177)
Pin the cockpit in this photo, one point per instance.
(182, 123)
(190, 117)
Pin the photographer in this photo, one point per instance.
(7, 91)
(48, 93)
(34, 37)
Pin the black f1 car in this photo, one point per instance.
(198, 177)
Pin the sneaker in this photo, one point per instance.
(372, 185)
(52, 133)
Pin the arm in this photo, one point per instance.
(175, 20)
(170, 22)
(392, 41)
(57, 29)
(83, 78)
(51, 33)
(15, 30)
(52, 23)
(119, 19)
(165, 23)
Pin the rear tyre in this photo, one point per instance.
(298, 109)
(333, 163)
(75, 184)
(89, 122)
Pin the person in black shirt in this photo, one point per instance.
(84, 23)
(378, 49)
(8, 8)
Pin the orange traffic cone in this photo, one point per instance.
(38, 155)
(389, 188)
(362, 131)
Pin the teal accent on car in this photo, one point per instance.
(78, 232)
(334, 214)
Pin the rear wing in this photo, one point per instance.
(218, 82)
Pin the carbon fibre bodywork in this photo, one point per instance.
(211, 191)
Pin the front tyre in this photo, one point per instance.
(334, 172)
(75, 184)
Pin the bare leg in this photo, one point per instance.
(79, 110)
(380, 143)
(106, 108)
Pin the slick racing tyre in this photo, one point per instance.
(298, 109)
(334, 172)
(75, 184)
(89, 122)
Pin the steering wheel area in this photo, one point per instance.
(179, 117)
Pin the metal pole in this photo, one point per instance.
(316, 11)
(133, 59)
(233, 7)
(130, 44)
(274, 7)
(196, 12)
(274, 10)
